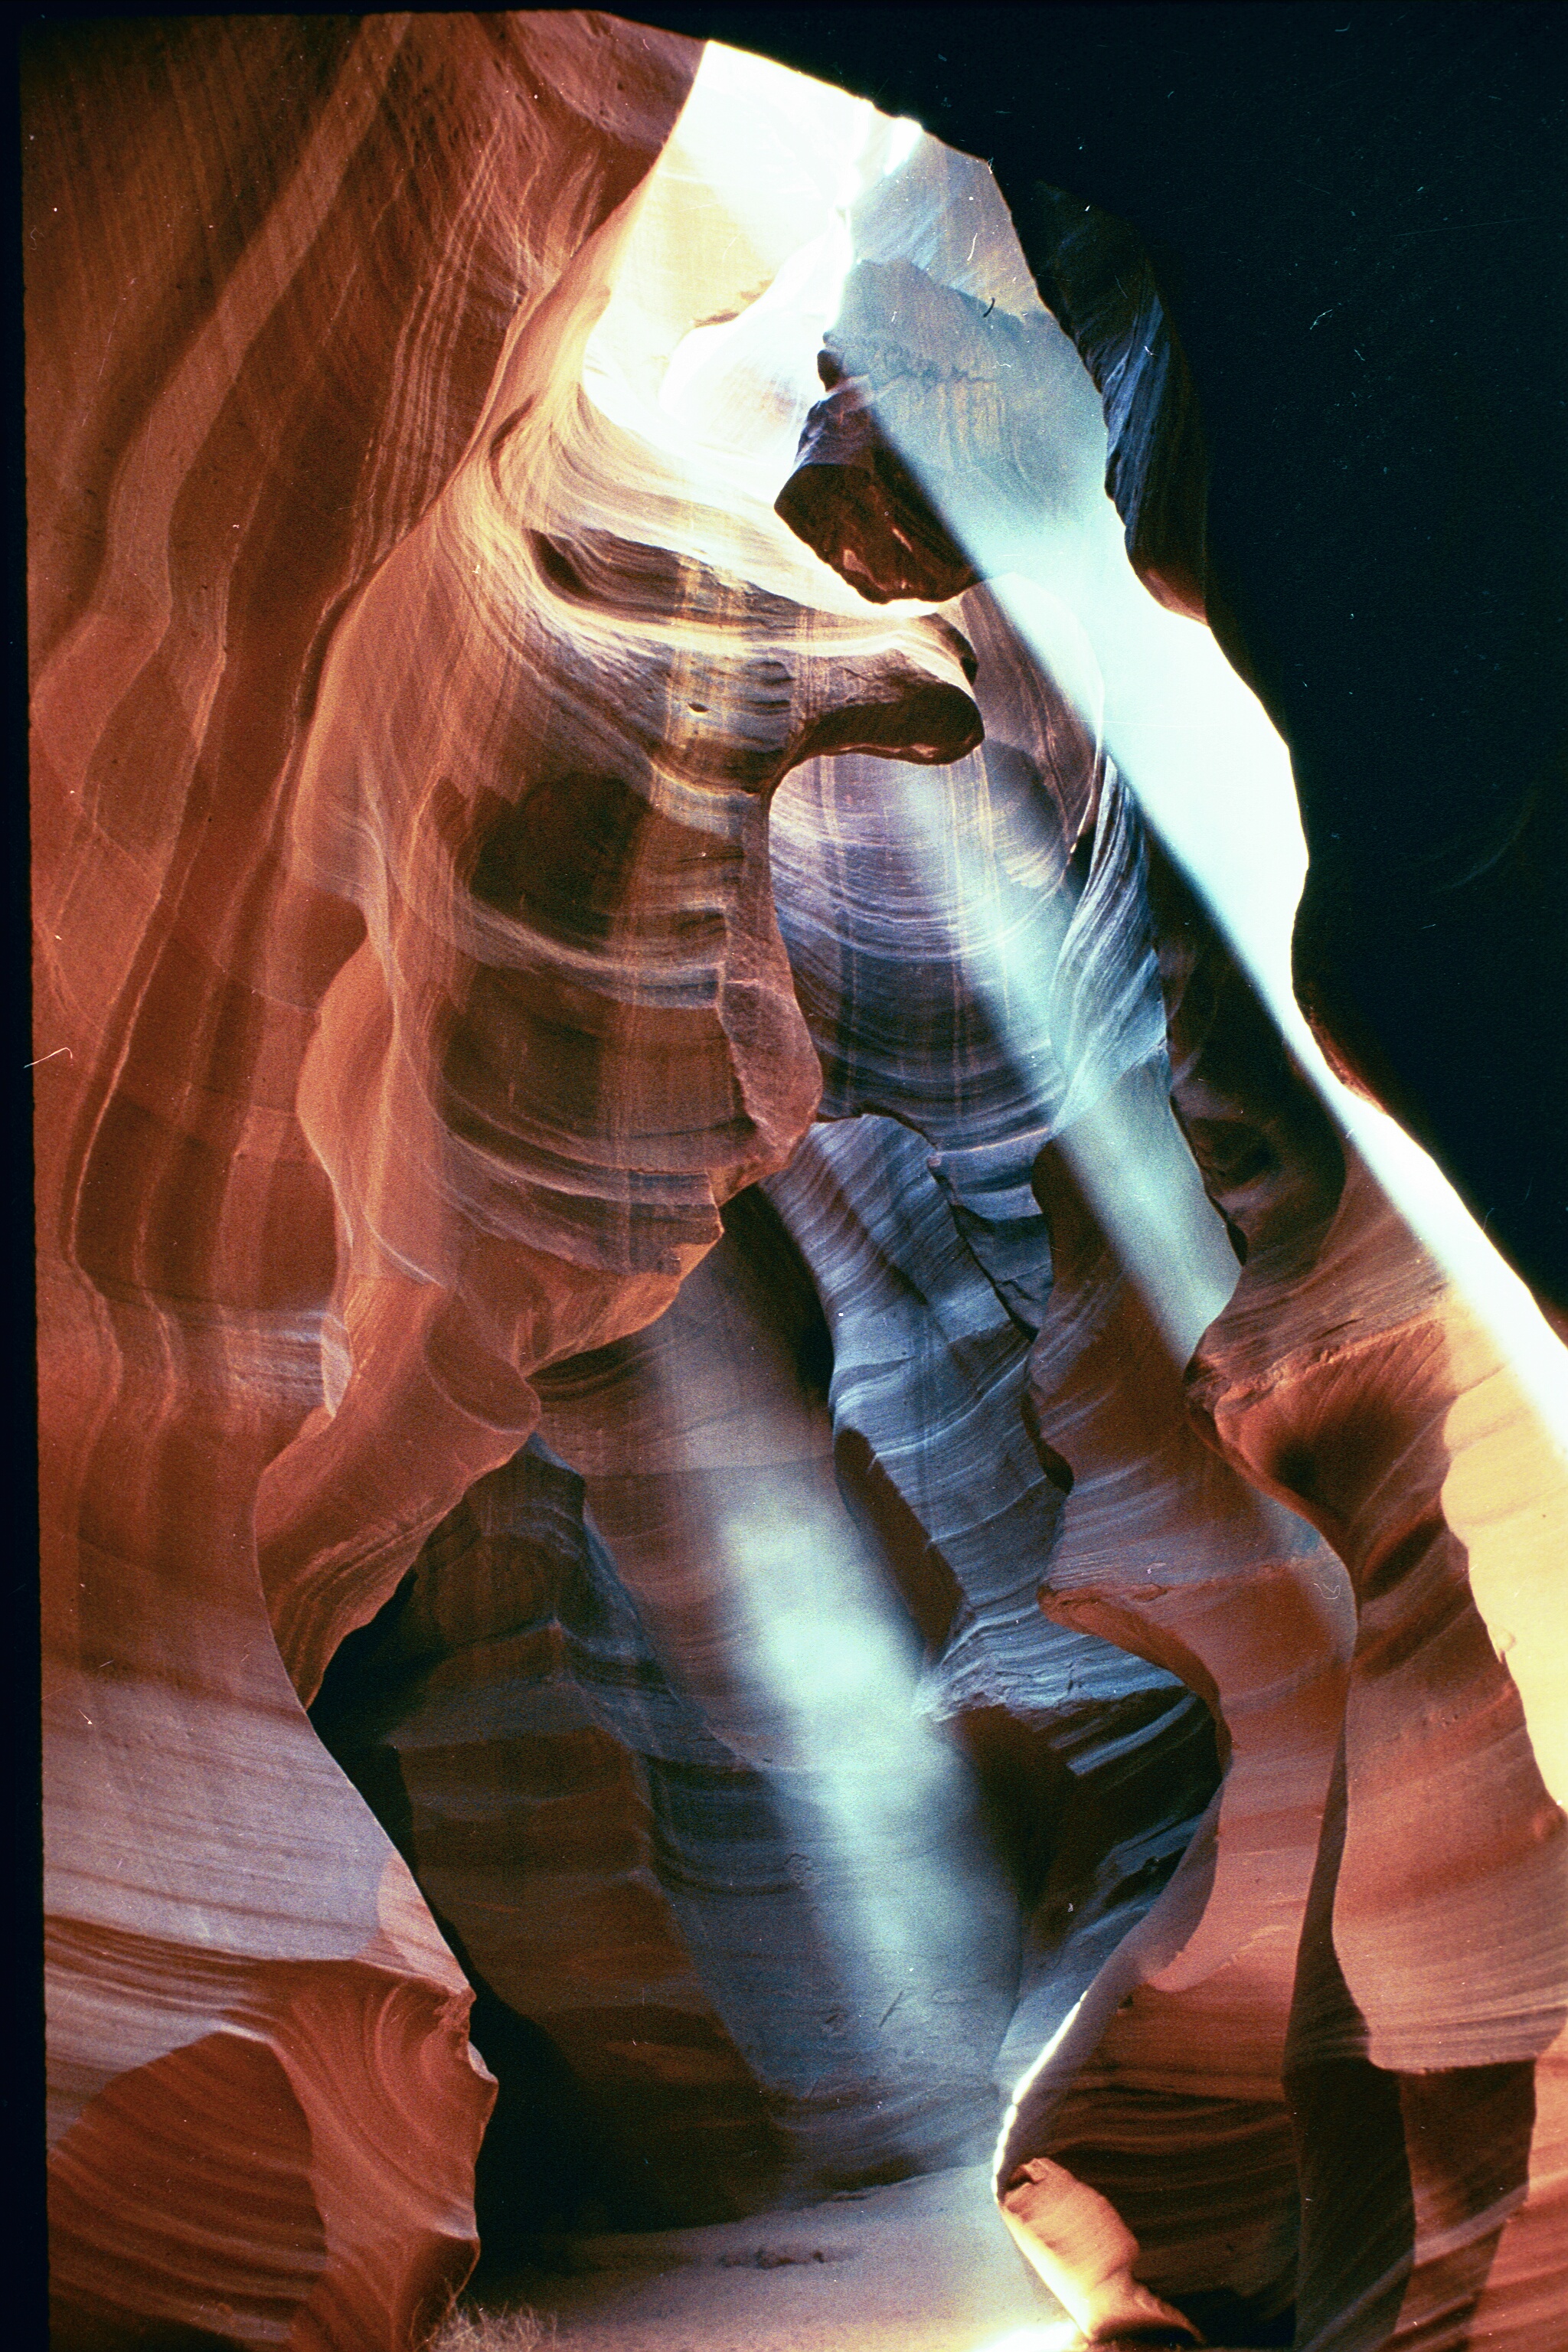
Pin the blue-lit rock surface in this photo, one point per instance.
(658, 1196)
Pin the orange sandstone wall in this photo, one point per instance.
(411, 1001)
(408, 975)
(272, 267)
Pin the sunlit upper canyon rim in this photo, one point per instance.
(804, 1497)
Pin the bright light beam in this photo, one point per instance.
(1113, 1121)
(1214, 780)
(748, 216)
(781, 160)
(1051, 2335)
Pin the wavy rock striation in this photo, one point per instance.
(253, 361)
(1203, 2071)
(1361, 511)
(652, 1195)
(298, 1241)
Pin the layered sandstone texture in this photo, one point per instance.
(657, 1200)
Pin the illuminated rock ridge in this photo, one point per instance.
(658, 1197)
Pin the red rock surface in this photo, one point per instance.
(272, 269)
(306, 308)
(1348, 1380)
(818, 1667)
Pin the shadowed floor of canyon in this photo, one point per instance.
(786, 1575)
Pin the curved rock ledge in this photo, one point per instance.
(654, 1193)
(296, 1243)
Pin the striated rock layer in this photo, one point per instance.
(1347, 1379)
(1285, 215)
(374, 768)
(653, 1195)
(300, 1243)
(272, 269)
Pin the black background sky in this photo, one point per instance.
(1358, 215)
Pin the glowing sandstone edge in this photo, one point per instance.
(210, 1960)
(1326, 1343)
(220, 493)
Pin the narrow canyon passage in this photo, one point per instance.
(790, 1582)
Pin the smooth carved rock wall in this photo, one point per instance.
(1426, 2040)
(798, 1611)
(272, 267)
(1407, 2067)
(247, 376)
(306, 302)
(1370, 536)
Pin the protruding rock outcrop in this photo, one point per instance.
(1346, 1379)
(306, 310)
(881, 1518)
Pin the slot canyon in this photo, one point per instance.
(801, 1128)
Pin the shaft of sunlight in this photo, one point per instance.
(784, 160)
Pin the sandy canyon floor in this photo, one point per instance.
(922, 2265)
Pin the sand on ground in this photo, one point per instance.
(917, 2266)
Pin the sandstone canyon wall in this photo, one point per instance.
(1327, 237)
(656, 1199)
